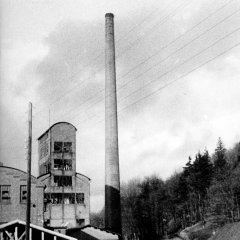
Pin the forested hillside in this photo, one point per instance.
(207, 189)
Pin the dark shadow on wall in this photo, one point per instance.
(113, 221)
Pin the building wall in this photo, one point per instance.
(44, 154)
(14, 209)
(60, 214)
(60, 210)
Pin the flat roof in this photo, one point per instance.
(94, 232)
(100, 234)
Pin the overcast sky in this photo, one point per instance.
(178, 79)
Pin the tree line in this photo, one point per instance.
(208, 187)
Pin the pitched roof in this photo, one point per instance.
(41, 229)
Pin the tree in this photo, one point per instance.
(150, 208)
(97, 219)
(219, 157)
(129, 196)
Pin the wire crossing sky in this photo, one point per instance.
(178, 80)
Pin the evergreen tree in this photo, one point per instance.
(202, 173)
(219, 156)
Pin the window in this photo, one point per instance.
(62, 147)
(58, 146)
(65, 181)
(5, 193)
(67, 147)
(81, 222)
(65, 164)
(80, 198)
(23, 194)
(57, 163)
(69, 198)
(59, 198)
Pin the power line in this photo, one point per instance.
(177, 38)
(102, 53)
(185, 45)
(218, 9)
(139, 24)
(175, 11)
(179, 49)
(91, 97)
(184, 75)
(80, 83)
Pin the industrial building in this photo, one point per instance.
(13, 196)
(67, 193)
(60, 197)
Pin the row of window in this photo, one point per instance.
(65, 198)
(55, 198)
(63, 181)
(63, 164)
(5, 194)
(59, 164)
(59, 147)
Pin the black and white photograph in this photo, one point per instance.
(119, 119)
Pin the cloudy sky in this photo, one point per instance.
(178, 80)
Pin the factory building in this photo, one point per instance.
(67, 193)
(13, 196)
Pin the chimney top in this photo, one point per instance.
(109, 15)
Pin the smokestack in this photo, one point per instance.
(112, 179)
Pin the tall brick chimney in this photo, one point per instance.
(112, 178)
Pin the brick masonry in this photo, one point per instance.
(15, 209)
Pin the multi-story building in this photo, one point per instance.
(13, 196)
(67, 193)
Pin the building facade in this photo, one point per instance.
(13, 196)
(67, 193)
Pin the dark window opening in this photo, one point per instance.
(5, 193)
(49, 167)
(65, 198)
(67, 164)
(63, 147)
(63, 181)
(23, 194)
(81, 222)
(63, 164)
(80, 198)
(67, 147)
(57, 163)
(58, 146)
